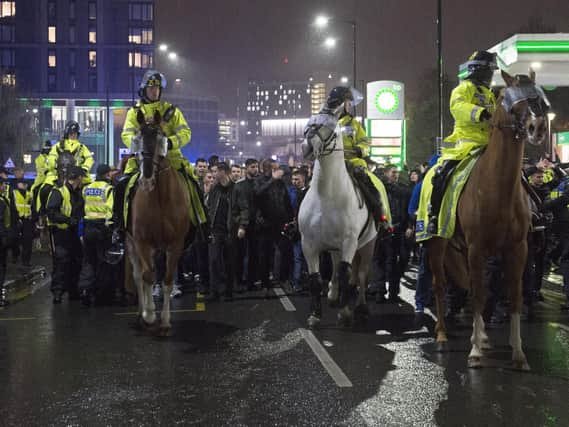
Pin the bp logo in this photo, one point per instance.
(387, 101)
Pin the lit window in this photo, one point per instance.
(51, 62)
(7, 8)
(92, 58)
(140, 35)
(51, 34)
(9, 79)
(139, 60)
(92, 35)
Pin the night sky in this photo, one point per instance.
(225, 43)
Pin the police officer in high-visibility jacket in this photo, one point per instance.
(5, 230)
(25, 224)
(41, 167)
(177, 132)
(70, 145)
(65, 209)
(96, 236)
(472, 105)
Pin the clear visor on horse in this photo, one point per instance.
(515, 94)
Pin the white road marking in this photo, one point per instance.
(408, 296)
(285, 301)
(327, 362)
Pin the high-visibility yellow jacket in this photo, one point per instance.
(96, 195)
(467, 102)
(41, 170)
(353, 135)
(23, 202)
(65, 207)
(176, 129)
(83, 159)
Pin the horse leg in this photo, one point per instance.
(477, 265)
(172, 257)
(436, 248)
(312, 257)
(344, 275)
(513, 271)
(133, 260)
(146, 260)
(362, 262)
(333, 288)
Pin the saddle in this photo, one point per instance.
(371, 196)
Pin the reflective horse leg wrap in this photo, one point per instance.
(344, 276)
(315, 286)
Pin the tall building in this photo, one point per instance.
(83, 60)
(278, 111)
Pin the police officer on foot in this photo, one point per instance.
(96, 236)
(23, 200)
(65, 208)
(5, 230)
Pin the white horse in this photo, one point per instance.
(333, 217)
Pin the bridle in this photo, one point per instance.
(145, 155)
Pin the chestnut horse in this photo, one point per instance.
(159, 221)
(493, 216)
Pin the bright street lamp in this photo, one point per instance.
(321, 21)
(344, 80)
(330, 42)
(163, 47)
(172, 55)
(259, 143)
(178, 80)
(242, 122)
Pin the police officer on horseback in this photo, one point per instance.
(64, 155)
(178, 134)
(472, 104)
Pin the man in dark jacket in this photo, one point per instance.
(299, 263)
(219, 207)
(5, 229)
(243, 216)
(273, 212)
(394, 247)
(65, 208)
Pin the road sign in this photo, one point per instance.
(9, 164)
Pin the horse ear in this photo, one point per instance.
(532, 75)
(140, 117)
(508, 79)
(157, 117)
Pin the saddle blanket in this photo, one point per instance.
(447, 214)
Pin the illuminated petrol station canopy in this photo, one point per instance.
(546, 54)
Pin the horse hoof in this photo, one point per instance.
(474, 362)
(313, 321)
(164, 331)
(442, 338)
(521, 365)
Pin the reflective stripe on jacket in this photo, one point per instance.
(96, 196)
(467, 102)
(65, 207)
(176, 129)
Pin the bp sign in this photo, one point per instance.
(563, 138)
(385, 100)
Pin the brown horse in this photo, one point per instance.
(159, 221)
(493, 216)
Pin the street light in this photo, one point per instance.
(259, 143)
(178, 80)
(344, 80)
(330, 42)
(163, 47)
(173, 56)
(321, 21)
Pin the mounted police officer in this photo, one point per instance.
(65, 209)
(472, 105)
(96, 237)
(41, 167)
(66, 153)
(178, 134)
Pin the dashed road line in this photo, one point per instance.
(14, 319)
(327, 362)
(285, 301)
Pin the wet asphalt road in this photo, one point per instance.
(247, 363)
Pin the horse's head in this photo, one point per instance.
(322, 136)
(527, 103)
(154, 144)
(65, 161)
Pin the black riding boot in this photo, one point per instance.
(440, 181)
(117, 247)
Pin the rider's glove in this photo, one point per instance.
(485, 116)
